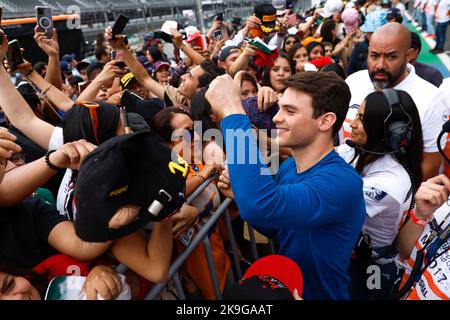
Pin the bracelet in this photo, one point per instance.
(200, 176)
(49, 164)
(419, 221)
(184, 45)
(43, 93)
(29, 72)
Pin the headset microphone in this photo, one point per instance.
(354, 145)
(445, 129)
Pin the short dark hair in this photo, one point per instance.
(40, 66)
(415, 41)
(99, 53)
(328, 91)
(210, 72)
(90, 71)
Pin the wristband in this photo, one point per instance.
(49, 164)
(29, 72)
(419, 221)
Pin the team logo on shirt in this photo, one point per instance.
(354, 106)
(375, 194)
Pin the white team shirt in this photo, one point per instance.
(386, 186)
(432, 110)
(434, 284)
(56, 142)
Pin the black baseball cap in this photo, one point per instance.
(227, 51)
(134, 169)
(267, 13)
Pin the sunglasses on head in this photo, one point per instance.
(93, 116)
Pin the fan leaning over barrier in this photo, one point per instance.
(135, 170)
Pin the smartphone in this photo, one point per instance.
(118, 55)
(219, 16)
(218, 34)
(44, 20)
(14, 55)
(119, 25)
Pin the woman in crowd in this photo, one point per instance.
(161, 72)
(315, 50)
(298, 56)
(171, 123)
(289, 41)
(386, 150)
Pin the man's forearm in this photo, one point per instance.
(56, 96)
(90, 92)
(20, 183)
(142, 75)
(193, 55)
(53, 74)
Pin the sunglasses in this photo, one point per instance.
(291, 42)
(93, 116)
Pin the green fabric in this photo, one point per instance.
(46, 196)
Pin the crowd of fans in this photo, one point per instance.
(362, 184)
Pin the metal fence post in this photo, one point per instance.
(212, 268)
(251, 233)
(233, 245)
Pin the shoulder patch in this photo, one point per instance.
(375, 194)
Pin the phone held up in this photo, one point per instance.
(44, 20)
(118, 55)
(14, 55)
(119, 25)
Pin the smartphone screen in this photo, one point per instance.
(217, 34)
(45, 21)
(14, 55)
(119, 25)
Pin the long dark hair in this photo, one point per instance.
(326, 32)
(376, 111)
(292, 52)
(296, 38)
(266, 73)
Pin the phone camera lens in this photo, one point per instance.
(45, 22)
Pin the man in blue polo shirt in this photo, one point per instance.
(315, 202)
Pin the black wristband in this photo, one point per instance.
(49, 164)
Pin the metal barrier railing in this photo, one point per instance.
(202, 236)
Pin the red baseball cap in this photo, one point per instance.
(281, 268)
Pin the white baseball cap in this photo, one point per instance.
(331, 6)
